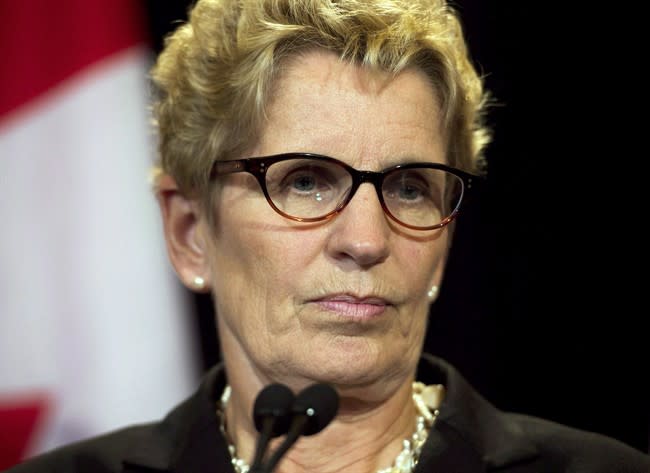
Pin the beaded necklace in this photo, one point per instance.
(427, 400)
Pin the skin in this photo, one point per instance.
(343, 301)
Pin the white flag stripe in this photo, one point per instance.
(89, 308)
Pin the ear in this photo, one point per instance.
(183, 229)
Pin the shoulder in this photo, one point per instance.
(102, 454)
(569, 449)
(155, 446)
(472, 427)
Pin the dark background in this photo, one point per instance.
(545, 292)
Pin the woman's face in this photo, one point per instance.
(343, 301)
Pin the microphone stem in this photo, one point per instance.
(262, 443)
(295, 431)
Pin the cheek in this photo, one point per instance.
(422, 261)
(241, 268)
(259, 263)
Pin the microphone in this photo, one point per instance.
(313, 409)
(272, 417)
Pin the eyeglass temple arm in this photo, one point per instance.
(227, 167)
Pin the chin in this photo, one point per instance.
(350, 363)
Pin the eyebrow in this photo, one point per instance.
(394, 161)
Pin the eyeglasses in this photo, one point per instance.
(308, 187)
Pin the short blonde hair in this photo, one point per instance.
(214, 76)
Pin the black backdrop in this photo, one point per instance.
(544, 297)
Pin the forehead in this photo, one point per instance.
(323, 105)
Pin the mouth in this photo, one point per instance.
(352, 307)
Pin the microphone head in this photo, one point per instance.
(320, 403)
(274, 401)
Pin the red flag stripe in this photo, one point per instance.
(40, 45)
(19, 423)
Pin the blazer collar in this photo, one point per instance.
(470, 435)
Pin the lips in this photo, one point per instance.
(356, 308)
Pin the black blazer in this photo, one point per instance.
(469, 436)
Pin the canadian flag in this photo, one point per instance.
(93, 323)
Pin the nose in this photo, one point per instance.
(360, 233)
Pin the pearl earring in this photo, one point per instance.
(199, 282)
(433, 292)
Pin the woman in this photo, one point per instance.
(314, 155)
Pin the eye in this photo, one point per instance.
(406, 187)
(307, 180)
(408, 191)
(302, 182)
(307, 187)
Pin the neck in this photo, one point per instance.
(365, 437)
